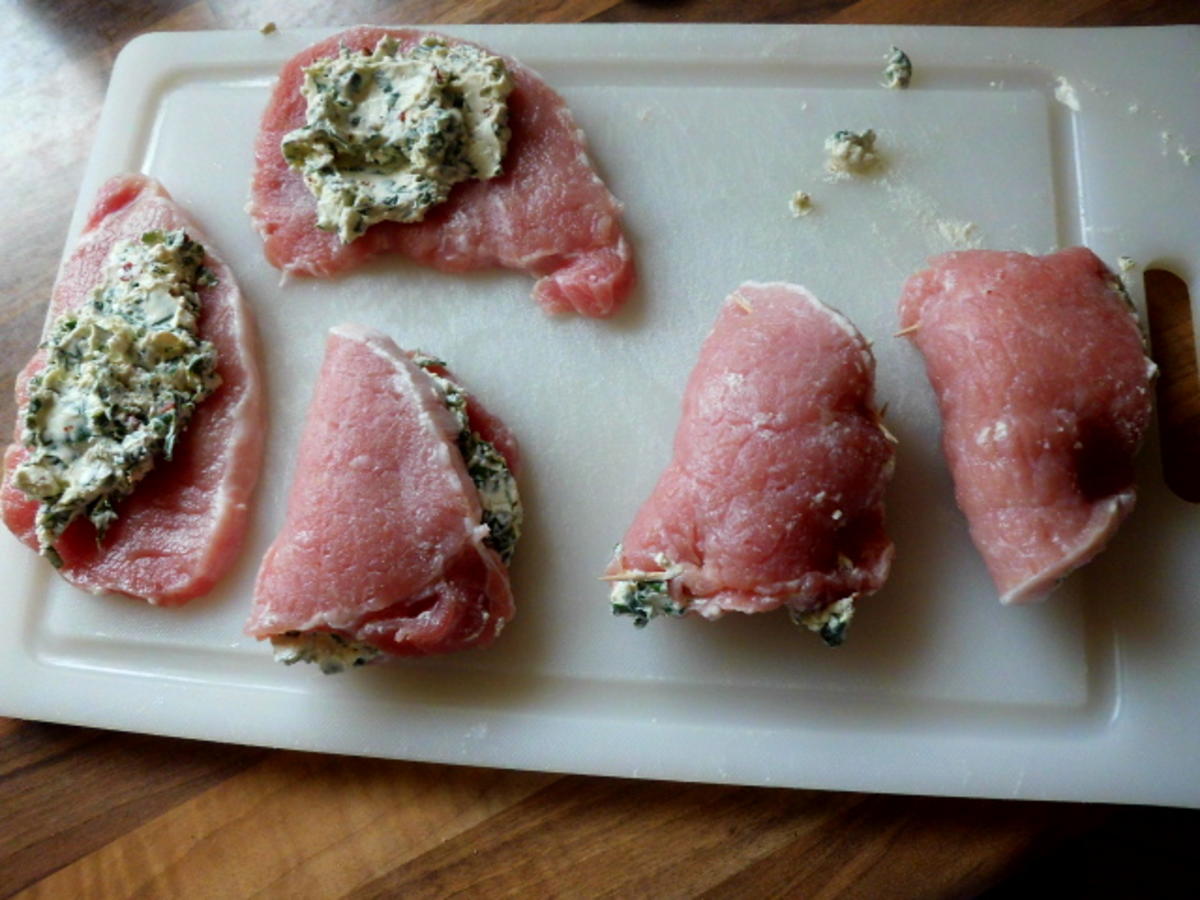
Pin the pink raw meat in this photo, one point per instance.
(1044, 387)
(548, 214)
(181, 529)
(774, 496)
(382, 541)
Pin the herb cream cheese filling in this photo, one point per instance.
(850, 153)
(497, 488)
(647, 595)
(830, 622)
(389, 133)
(333, 652)
(124, 372)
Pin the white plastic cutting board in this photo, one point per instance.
(705, 132)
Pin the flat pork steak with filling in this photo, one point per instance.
(382, 544)
(548, 214)
(182, 527)
(1043, 382)
(774, 496)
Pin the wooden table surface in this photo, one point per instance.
(92, 813)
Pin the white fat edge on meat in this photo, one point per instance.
(866, 357)
(1079, 553)
(389, 133)
(1119, 283)
(335, 652)
(747, 304)
(1111, 510)
(123, 375)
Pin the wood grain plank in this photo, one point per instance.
(306, 13)
(614, 837)
(294, 825)
(1012, 13)
(1136, 12)
(906, 12)
(32, 744)
(71, 28)
(728, 11)
(950, 12)
(498, 11)
(891, 846)
(1172, 339)
(315, 13)
(66, 792)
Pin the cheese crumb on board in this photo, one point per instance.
(1064, 93)
(898, 72)
(850, 153)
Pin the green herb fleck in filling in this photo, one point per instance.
(333, 652)
(645, 595)
(830, 622)
(124, 373)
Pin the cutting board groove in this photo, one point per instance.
(1173, 343)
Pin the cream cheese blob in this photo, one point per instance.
(124, 372)
(389, 133)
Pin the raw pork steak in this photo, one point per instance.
(548, 214)
(1044, 388)
(181, 529)
(775, 493)
(382, 543)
